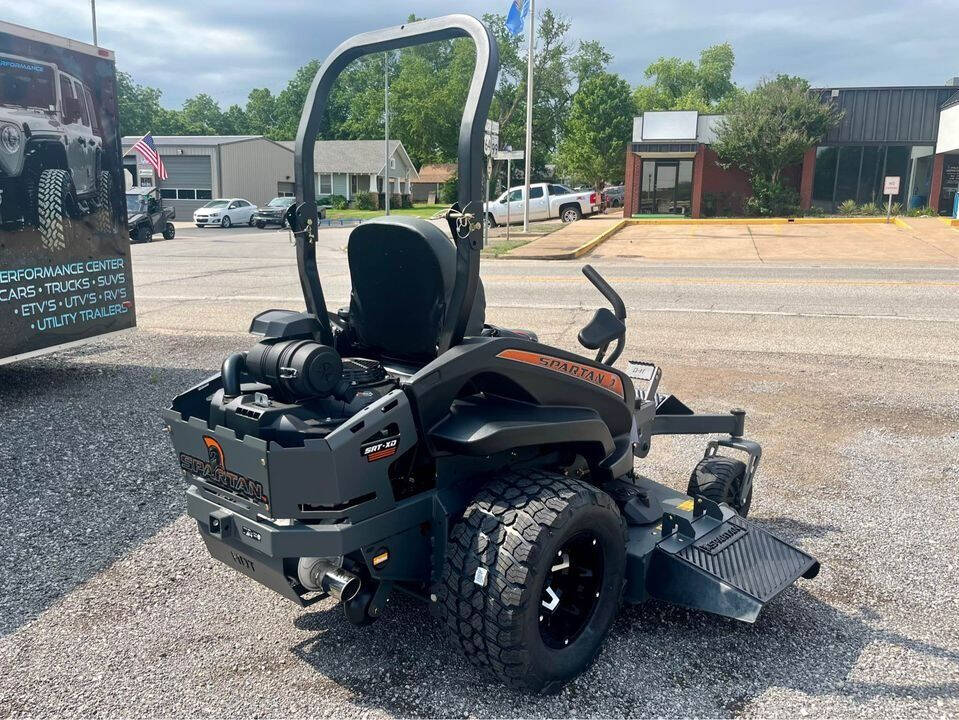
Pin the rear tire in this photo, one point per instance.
(570, 213)
(490, 220)
(104, 218)
(144, 234)
(53, 204)
(169, 232)
(226, 222)
(260, 224)
(503, 559)
(720, 479)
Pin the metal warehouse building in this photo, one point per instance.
(204, 167)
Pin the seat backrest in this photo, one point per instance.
(403, 270)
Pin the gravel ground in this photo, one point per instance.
(110, 605)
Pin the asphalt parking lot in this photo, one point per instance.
(110, 605)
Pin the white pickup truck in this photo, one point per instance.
(546, 200)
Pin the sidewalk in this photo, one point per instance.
(570, 241)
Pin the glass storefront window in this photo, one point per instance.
(857, 172)
(824, 178)
(667, 187)
(897, 165)
(684, 188)
(920, 176)
(870, 177)
(847, 173)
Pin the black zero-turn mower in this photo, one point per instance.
(403, 444)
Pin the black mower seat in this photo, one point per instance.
(403, 270)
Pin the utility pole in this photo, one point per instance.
(386, 125)
(529, 114)
(93, 12)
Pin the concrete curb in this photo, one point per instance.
(760, 221)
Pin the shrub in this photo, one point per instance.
(896, 209)
(366, 201)
(449, 190)
(337, 202)
(848, 207)
(814, 212)
(772, 199)
(870, 208)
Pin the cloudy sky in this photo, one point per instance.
(226, 48)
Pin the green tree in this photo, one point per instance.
(201, 115)
(139, 109)
(599, 126)
(767, 130)
(685, 85)
(260, 114)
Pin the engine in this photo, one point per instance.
(288, 391)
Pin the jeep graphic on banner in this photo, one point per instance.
(65, 272)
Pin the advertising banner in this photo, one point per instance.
(65, 271)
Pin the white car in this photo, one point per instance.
(225, 212)
(546, 200)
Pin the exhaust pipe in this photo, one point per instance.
(320, 574)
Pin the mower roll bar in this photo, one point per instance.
(470, 197)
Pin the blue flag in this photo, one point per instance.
(518, 10)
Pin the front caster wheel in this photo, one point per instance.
(721, 479)
(533, 578)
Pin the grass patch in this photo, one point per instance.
(498, 246)
(420, 211)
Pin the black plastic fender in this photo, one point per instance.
(483, 426)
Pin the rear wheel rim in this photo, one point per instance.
(569, 215)
(572, 590)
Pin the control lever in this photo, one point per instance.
(605, 325)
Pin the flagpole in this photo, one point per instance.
(529, 115)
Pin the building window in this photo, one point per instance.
(354, 184)
(667, 187)
(326, 184)
(168, 193)
(392, 163)
(204, 194)
(857, 173)
(146, 181)
(185, 194)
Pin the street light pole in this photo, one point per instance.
(93, 12)
(386, 125)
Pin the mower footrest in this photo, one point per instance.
(727, 567)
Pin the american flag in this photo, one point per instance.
(148, 151)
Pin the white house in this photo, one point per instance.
(347, 167)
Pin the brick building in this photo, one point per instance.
(911, 133)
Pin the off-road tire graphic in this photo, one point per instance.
(104, 216)
(53, 200)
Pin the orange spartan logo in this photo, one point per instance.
(214, 451)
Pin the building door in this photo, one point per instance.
(667, 187)
(950, 184)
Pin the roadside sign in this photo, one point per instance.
(890, 187)
(509, 155)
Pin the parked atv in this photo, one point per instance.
(50, 152)
(402, 443)
(146, 215)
